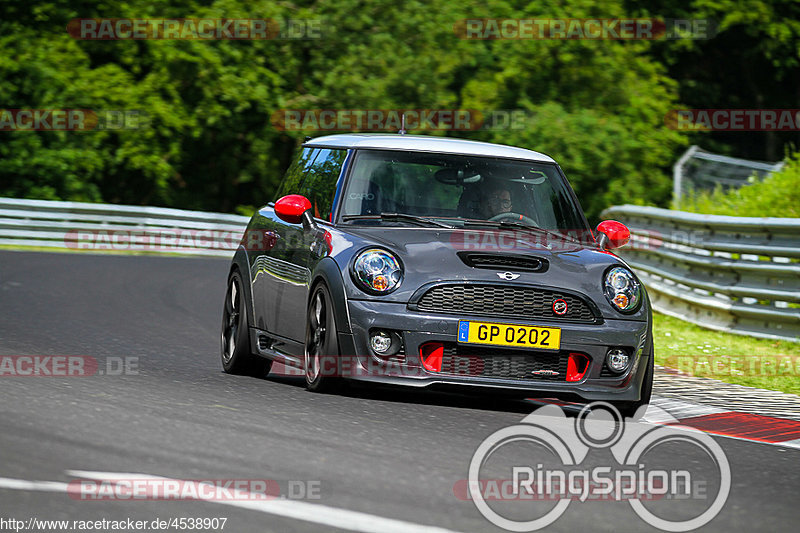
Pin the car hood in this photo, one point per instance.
(432, 254)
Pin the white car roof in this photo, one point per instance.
(426, 143)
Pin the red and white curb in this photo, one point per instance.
(718, 421)
(713, 420)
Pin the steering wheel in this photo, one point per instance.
(514, 217)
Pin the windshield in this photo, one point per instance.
(459, 190)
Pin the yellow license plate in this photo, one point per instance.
(509, 335)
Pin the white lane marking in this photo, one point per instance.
(680, 409)
(309, 512)
(791, 443)
(661, 410)
(23, 484)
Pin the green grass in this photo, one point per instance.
(763, 363)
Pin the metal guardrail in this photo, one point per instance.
(734, 274)
(728, 273)
(123, 228)
(698, 169)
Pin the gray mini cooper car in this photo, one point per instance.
(435, 262)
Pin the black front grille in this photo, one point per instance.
(520, 263)
(502, 363)
(503, 301)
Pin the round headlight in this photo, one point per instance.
(377, 271)
(622, 289)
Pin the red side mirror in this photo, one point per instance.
(291, 207)
(613, 234)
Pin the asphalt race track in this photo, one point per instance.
(373, 460)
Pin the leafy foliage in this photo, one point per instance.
(597, 106)
(778, 195)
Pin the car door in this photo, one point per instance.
(270, 251)
(305, 247)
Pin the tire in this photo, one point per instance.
(321, 356)
(235, 339)
(628, 409)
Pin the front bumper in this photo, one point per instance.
(417, 328)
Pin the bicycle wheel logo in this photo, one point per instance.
(549, 433)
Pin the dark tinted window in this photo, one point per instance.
(319, 185)
(453, 187)
(293, 178)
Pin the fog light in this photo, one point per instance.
(381, 342)
(617, 360)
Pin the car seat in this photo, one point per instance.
(469, 205)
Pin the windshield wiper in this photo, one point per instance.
(399, 216)
(517, 225)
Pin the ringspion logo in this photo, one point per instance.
(562, 474)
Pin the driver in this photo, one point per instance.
(496, 202)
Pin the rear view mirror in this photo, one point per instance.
(456, 176)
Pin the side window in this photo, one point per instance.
(319, 185)
(293, 179)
